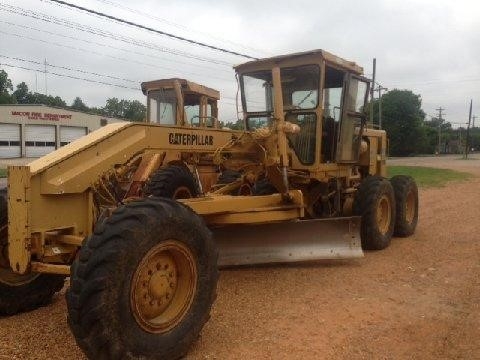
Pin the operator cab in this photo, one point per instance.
(181, 102)
(321, 93)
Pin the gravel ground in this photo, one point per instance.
(418, 299)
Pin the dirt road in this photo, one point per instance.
(418, 299)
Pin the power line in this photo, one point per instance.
(109, 46)
(223, 98)
(173, 36)
(100, 32)
(71, 77)
(70, 69)
(155, 66)
(171, 23)
(436, 81)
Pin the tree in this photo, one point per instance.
(402, 118)
(22, 93)
(113, 107)
(431, 134)
(5, 82)
(237, 125)
(79, 105)
(134, 110)
(131, 110)
(97, 110)
(5, 88)
(37, 98)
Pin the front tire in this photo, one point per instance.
(375, 203)
(143, 283)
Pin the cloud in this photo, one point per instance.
(428, 46)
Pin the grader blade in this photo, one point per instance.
(296, 241)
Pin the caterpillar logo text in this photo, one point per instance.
(189, 139)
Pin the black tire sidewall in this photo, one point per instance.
(228, 176)
(371, 190)
(3, 206)
(264, 187)
(117, 317)
(164, 182)
(402, 185)
(131, 332)
(38, 292)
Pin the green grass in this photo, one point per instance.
(427, 176)
(3, 173)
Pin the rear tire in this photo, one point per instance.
(406, 199)
(26, 292)
(264, 187)
(121, 283)
(375, 203)
(21, 292)
(3, 228)
(173, 182)
(228, 177)
(3, 206)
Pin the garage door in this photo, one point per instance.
(71, 133)
(39, 140)
(10, 141)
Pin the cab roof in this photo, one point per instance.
(187, 87)
(300, 57)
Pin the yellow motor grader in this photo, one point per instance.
(141, 215)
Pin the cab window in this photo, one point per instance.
(162, 106)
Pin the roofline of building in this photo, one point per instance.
(68, 109)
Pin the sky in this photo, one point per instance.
(429, 47)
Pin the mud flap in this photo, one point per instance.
(295, 241)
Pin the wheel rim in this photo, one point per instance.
(163, 286)
(182, 192)
(383, 214)
(410, 207)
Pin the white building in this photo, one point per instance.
(36, 130)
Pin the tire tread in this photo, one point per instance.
(85, 298)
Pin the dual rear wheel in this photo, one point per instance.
(387, 208)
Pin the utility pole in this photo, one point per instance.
(45, 64)
(440, 121)
(460, 139)
(379, 89)
(372, 89)
(468, 130)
